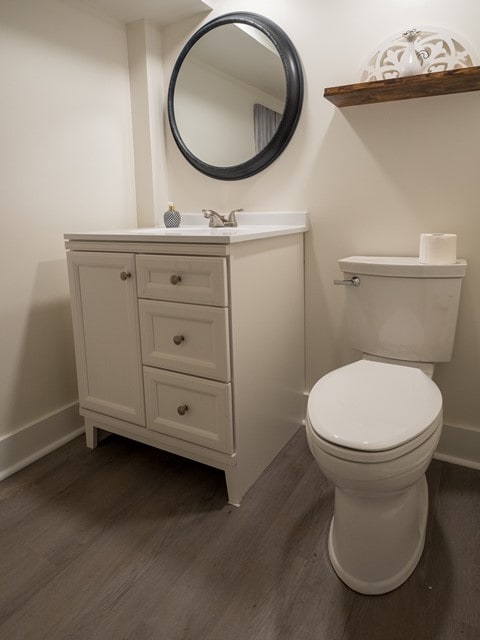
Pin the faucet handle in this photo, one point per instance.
(208, 213)
(232, 218)
(216, 219)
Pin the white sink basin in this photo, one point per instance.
(216, 231)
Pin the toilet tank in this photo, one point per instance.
(403, 309)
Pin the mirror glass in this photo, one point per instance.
(235, 96)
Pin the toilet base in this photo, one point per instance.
(375, 542)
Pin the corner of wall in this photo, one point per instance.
(147, 99)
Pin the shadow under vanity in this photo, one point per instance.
(192, 339)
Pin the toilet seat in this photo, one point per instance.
(371, 407)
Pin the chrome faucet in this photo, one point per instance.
(219, 220)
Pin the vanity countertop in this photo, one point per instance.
(195, 229)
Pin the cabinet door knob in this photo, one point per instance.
(182, 409)
(125, 275)
(175, 279)
(178, 339)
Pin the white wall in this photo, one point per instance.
(66, 164)
(147, 99)
(373, 178)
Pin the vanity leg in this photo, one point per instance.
(91, 434)
(234, 487)
(94, 435)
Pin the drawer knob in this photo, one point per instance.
(178, 339)
(182, 409)
(125, 275)
(175, 279)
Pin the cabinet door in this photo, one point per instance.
(106, 331)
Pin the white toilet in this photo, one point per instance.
(373, 425)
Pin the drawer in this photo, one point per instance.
(185, 337)
(199, 280)
(189, 408)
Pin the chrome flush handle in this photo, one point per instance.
(353, 282)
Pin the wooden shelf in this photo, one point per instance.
(421, 86)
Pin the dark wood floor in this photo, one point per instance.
(128, 542)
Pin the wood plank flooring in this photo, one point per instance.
(131, 543)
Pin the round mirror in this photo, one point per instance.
(235, 96)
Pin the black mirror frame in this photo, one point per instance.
(293, 100)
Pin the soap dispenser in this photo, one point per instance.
(171, 218)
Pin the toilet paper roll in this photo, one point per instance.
(438, 248)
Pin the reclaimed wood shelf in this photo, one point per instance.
(421, 86)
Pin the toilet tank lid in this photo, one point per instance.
(402, 267)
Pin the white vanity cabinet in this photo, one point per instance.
(192, 347)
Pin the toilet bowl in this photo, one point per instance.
(373, 428)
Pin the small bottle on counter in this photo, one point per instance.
(171, 218)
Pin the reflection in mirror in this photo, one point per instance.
(235, 96)
(226, 73)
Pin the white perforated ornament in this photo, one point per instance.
(437, 50)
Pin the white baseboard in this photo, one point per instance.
(459, 445)
(23, 446)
